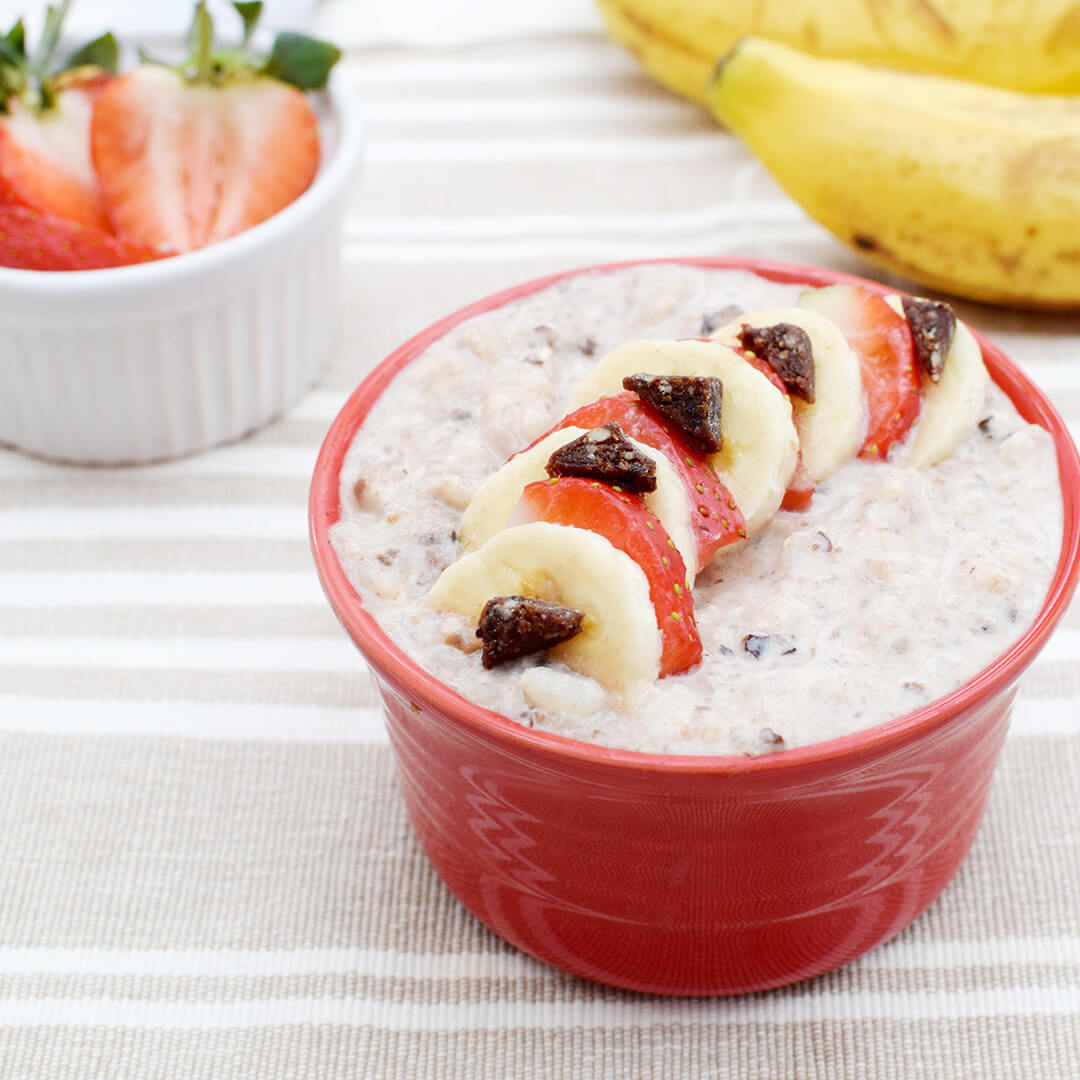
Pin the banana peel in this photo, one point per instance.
(1027, 45)
(968, 189)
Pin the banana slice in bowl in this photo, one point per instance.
(832, 426)
(620, 645)
(492, 506)
(761, 445)
(951, 407)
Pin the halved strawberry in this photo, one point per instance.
(627, 525)
(45, 127)
(881, 339)
(191, 155)
(45, 159)
(33, 241)
(716, 520)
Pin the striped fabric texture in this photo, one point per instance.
(206, 871)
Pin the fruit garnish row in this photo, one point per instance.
(100, 169)
(588, 541)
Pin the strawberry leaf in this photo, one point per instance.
(50, 37)
(102, 52)
(12, 64)
(16, 38)
(250, 13)
(301, 61)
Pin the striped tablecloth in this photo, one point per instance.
(205, 865)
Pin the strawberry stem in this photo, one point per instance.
(296, 59)
(50, 38)
(202, 31)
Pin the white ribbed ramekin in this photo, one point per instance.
(147, 362)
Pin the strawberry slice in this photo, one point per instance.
(186, 166)
(716, 520)
(45, 159)
(33, 241)
(881, 339)
(800, 493)
(625, 522)
(189, 156)
(45, 123)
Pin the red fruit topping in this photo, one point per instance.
(45, 156)
(881, 339)
(184, 165)
(625, 522)
(801, 490)
(33, 241)
(716, 520)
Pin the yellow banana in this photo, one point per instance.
(1030, 45)
(965, 188)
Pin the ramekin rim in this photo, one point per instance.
(359, 623)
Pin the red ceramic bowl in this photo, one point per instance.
(691, 875)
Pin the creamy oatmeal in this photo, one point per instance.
(895, 587)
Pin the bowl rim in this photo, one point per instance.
(384, 654)
(351, 133)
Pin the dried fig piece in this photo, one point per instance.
(690, 402)
(515, 626)
(933, 324)
(605, 454)
(786, 349)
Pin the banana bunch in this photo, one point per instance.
(970, 189)
(1029, 45)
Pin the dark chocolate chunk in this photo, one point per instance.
(932, 327)
(786, 349)
(769, 736)
(588, 346)
(690, 402)
(605, 454)
(515, 626)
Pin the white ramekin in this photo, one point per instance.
(142, 363)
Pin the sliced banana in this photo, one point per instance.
(832, 429)
(952, 406)
(493, 505)
(761, 445)
(620, 645)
